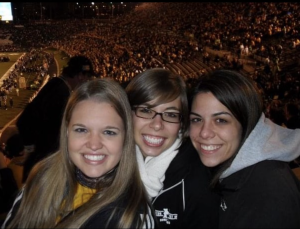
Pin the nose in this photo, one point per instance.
(94, 142)
(157, 122)
(206, 131)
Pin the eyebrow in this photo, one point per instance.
(106, 127)
(113, 127)
(172, 108)
(192, 113)
(151, 106)
(214, 115)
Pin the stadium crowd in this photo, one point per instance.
(189, 39)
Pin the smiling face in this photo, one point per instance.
(95, 137)
(154, 136)
(214, 131)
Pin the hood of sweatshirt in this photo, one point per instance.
(267, 141)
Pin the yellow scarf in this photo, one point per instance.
(82, 195)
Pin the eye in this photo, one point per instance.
(222, 121)
(144, 110)
(109, 132)
(80, 130)
(171, 114)
(195, 120)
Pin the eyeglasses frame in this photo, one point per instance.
(156, 113)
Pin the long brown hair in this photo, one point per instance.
(51, 185)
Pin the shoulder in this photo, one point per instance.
(266, 191)
(57, 82)
(268, 175)
(272, 167)
(277, 173)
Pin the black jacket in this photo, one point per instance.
(264, 195)
(100, 219)
(8, 189)
(185, 200)
(39, 123)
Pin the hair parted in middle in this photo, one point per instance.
(53, 181)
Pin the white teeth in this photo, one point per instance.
(94, 157)
(210, 147)
(152, 140)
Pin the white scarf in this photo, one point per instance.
(153, 169)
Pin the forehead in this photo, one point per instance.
(161, 103)
(206, 100)
(91, 111)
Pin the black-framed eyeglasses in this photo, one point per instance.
(147, 113)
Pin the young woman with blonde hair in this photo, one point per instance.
(93, 180)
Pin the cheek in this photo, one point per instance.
(136, 121)
(174, 130)
(74, 143)
(139, 124)
(193, 131)
(117, 145)
(233, 136)
(116, 148)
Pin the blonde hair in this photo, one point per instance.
(53, 182)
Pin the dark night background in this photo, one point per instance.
(26, 11)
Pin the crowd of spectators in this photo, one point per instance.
(170, 35)
(34, 63)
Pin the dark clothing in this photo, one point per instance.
(39, 123)
(8, 189)
(8, 192)
(263, 195)
(101, 219)
(293, 122)
(185, 200)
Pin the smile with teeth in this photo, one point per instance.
(94, 157)
(210, 147)
(153, 140)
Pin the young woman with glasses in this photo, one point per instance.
(175, 179)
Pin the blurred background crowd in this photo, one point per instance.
(260, 39)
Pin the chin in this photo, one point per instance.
(93, 174)
(208, 163)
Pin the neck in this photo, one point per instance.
(92, 182)
(86, 181)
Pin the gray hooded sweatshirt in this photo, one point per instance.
(267, 141)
